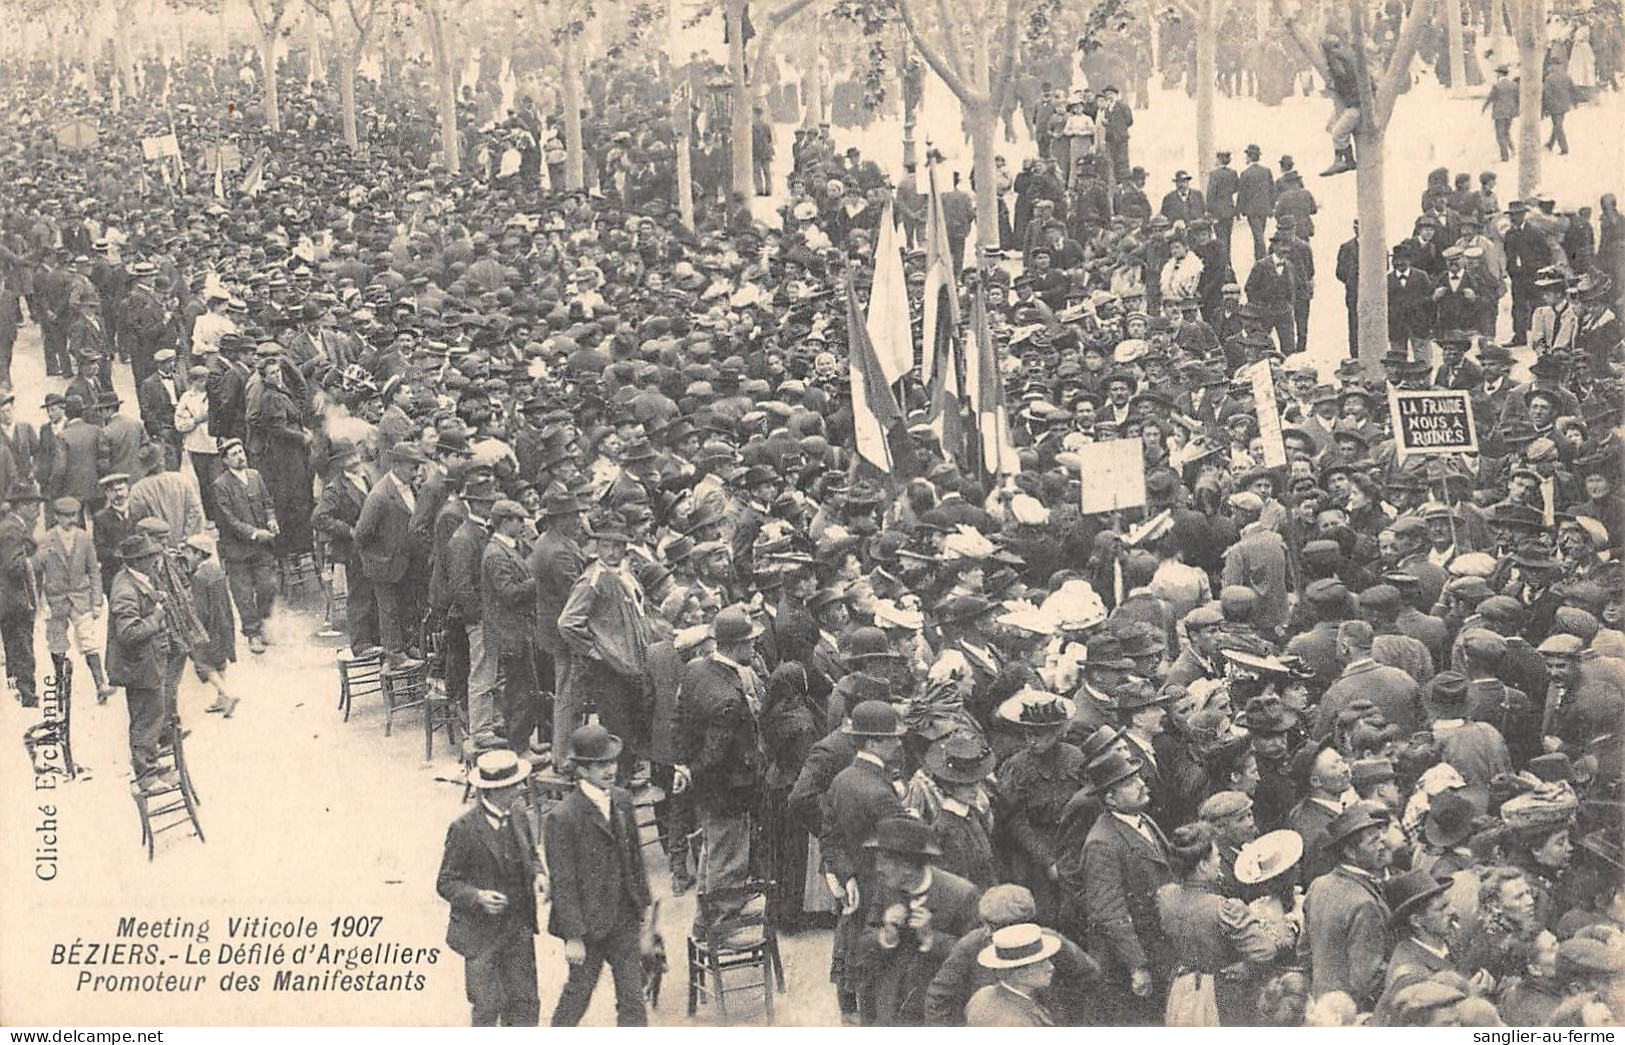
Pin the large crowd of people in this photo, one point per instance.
(1332, 742)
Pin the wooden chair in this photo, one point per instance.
(714, 951)
(359, 677)
(439, 710)
(174, 805)
(404, 689)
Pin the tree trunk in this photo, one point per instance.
(345, 64)
(984, 122)
(741, 124)
(273, 112)
(1207, 71)
(1531, 31)
(1458, 64)
(812, 106)
(575, 165)
(449, 144)
(445, 87)
(682, 124)
(1369, 195)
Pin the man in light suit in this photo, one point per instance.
(248, 526)
(600, 890)
(1125, 862)
(71, 586)
(488, 875)
(382, 538)
(606, 627)
(508, 609)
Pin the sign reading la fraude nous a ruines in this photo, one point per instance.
(1438, 421)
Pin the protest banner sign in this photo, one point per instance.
(160, 145)
(1437, 421)
(1113, 476)
(78, 133)
(1269, 415)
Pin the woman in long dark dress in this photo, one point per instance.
(789, 728)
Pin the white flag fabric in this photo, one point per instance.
(889, 328)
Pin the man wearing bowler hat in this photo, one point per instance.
(718, 747)
(1345, 914)
(488, 875)
(1125, 862)
(556, 560)
(337, 511)
(859, 798)
(599, 890)
(384, 544)
(915, 916)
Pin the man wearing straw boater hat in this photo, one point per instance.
(1020, 957)
(599, 889)
(488, 875)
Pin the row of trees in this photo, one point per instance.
(975, 47)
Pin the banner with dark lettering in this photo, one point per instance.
(1438, 421)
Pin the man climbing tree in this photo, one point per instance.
(1344, 88)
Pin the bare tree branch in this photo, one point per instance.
(951, 45)
(1311, 53)
(1399, 66)
(785, 13)
(932, 56)
(1004, 80)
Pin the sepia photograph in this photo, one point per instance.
(812, 513)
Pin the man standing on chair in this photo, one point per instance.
(718, 743)
(137, 655)
(488, 875)
(383, 541)
(600, 892)
(248, 526)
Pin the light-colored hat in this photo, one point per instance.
(1268, 855)
(1017, 945)
(498, 769)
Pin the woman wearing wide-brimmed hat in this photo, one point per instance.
(1034, 787)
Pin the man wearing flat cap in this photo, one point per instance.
(508, 612)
